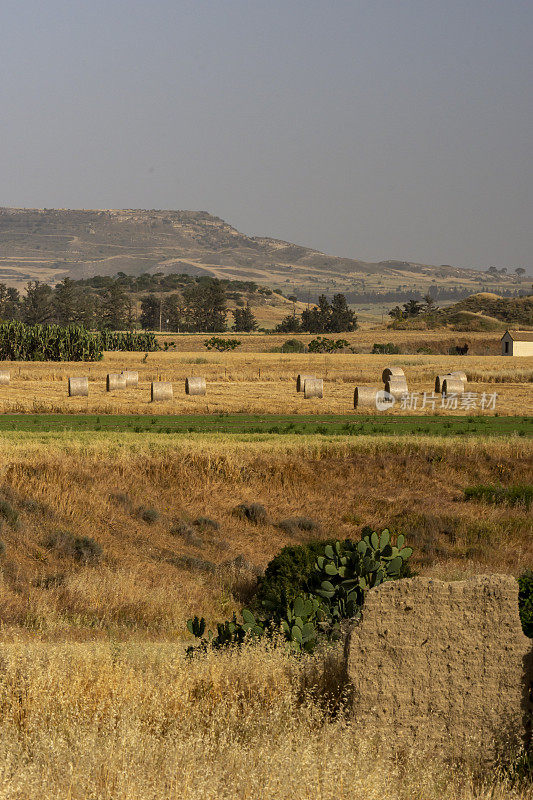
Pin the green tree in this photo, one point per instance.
(342, 319)
(9, 303)
(66, 303)
(150, 313)
(413, 308)
(430, 304)
(289, 324)
(396, 313)
(37, 305)
(244, 319)
(113, 316)
(317, 319)
(205, 306)
(172, 310)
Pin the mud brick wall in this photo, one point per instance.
(442, 665)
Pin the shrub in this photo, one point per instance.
(385, 349)
(188, 534)
(293, 524)
(121, 499)
(241, 564)
(34, 507)
(206, 522)
(292, 346)
(287, 575)
(525, 602)
(216, 343)
(517, 495)
(252, 512)
(329, 584)
(50, 581)
(149, 515)
(324, 345)
(2, 548)
(9, 513)
(194, 564)
(80, 548)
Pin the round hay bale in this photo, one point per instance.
(115, 381)
(364, 396)
(313, 387)
(78, 387)
(301, 379)
(392, 372)
(396, 386)
(452, 386)
(460, 375)
(132, 377)
(5, 377)
(439, 380)
(195, 386)
(161, 392)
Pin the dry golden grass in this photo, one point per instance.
(438, 341)
(255, 382)
(95, 484)
(140, 722)
(97, 698)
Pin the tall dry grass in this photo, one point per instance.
(140, 722)
(151, 578)
(97, 698)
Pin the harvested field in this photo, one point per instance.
(438, 341)
(259, 383)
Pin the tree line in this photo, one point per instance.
(184, 303)
(200, 305)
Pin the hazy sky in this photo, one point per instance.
(372, 129)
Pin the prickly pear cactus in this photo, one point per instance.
(348, 569)
(299, 624)
(343, 574)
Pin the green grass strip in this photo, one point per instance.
(329, 424)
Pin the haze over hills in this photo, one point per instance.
(49, 244)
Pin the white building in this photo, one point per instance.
(517, 343)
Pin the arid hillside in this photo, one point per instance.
(48, 244)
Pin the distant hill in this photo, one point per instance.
(49, 244)
(486, 309)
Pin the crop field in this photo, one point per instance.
(265, 383)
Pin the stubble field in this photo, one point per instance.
(263, 383)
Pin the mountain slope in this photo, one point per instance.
(48, 244)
